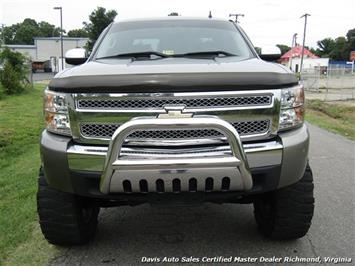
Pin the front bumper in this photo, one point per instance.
(78, 168)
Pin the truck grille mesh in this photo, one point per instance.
(216, 102)
(107, 130)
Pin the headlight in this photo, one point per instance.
(56, 113)
(292, 107)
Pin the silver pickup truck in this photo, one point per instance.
(173, 110)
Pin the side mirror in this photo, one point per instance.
(76, 56)
(271, 53)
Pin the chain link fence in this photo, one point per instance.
(335, 83)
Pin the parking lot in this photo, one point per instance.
(127, 234)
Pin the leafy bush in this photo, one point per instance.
(13, 76)
(10, 80)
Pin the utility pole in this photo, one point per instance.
(293, 44)
(236, 16)
(294, 39)
(61, 33)
(304, 39)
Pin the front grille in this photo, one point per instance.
(106, 131)
(216, 102)
(175, 134)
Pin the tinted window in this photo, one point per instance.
(173, 37)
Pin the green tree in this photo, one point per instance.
(24, 32)
(100, 18)
(13, 76)
(9, 33)
(314, 51)
(258, 50)
(48, 30)
(350, 36)
(340, 50)
(78, 33)
(284, 48)
(326, 46)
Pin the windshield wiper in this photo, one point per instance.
(205, 54)
(136, 55)
(148, 54)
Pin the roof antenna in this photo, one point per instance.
(210, 14)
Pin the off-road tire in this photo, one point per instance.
(286, 213)
(65, 219)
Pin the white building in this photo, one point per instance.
(48, 48)
(28, 50)
(310, 63)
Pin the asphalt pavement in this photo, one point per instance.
(126, 235)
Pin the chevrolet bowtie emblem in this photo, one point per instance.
(175, 111)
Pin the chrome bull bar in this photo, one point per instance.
(118, 169)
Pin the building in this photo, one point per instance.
(310, 64)
(48, 48)
(28, 50)
(292, 59)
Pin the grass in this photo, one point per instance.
(337, 117)
(21, 123)
(1, 92)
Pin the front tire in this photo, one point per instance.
(287, 212)
(65, 219)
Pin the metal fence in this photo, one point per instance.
(332, 84)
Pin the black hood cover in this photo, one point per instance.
(176, 82)
(175, 75)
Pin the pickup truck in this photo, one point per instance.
(173, 110)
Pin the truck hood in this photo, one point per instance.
(172, 74)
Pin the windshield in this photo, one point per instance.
(173, 37)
